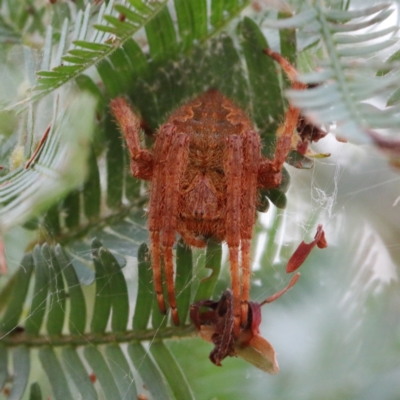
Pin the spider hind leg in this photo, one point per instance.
(233, 172)
(251, 160)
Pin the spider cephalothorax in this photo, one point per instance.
(205, 170)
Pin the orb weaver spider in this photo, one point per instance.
(205, 170)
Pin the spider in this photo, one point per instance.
(205, 170)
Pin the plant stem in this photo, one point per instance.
(19, 339)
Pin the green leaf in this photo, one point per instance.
(102, 372)
(122, 30)
(3, 365)
(144, 8)
(185, 22)
(144, 297)
(184, 279)
(55, 373)
(78, 373)
(57, 300)
(91, 191)
(128, 13)
(199, 12)
(115, 166)
(52, 221)
(77, 313)
(95, 47)
(85, 54)
(213, 263)
(112, 81)
(71, 207)
(21, 364)
(171, 370)
(73, 60)
(288, 41)
(36, 393)
(152, 378)
(277, 198)
(38, 304)
(161, 34)
(18, 295)
(123, 375)
(122, 26)
(103, 298)
(118, 291)
(266, 94)
(394, 99)
(134, 53)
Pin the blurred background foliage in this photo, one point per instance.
(77, 303)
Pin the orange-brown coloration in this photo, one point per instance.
(205, 170)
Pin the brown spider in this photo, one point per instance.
(205, 170)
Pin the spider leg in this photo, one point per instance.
(157, 199)
(175, 166)
(269, 173)
(251, 159)
(141, 159)
(233, 174)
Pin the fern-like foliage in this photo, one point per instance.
(81, 303)
(84, 52)
(58, 301)
(91, 43)
(351, 57)
(57, 165)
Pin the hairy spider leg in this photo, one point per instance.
(175, 167)
(251, 160)
(141, 159)
(269, 175)
(156, 209)
(145, 166)
(233, 174)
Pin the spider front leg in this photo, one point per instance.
(129, 122)
(157, 198)
(269, 175)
